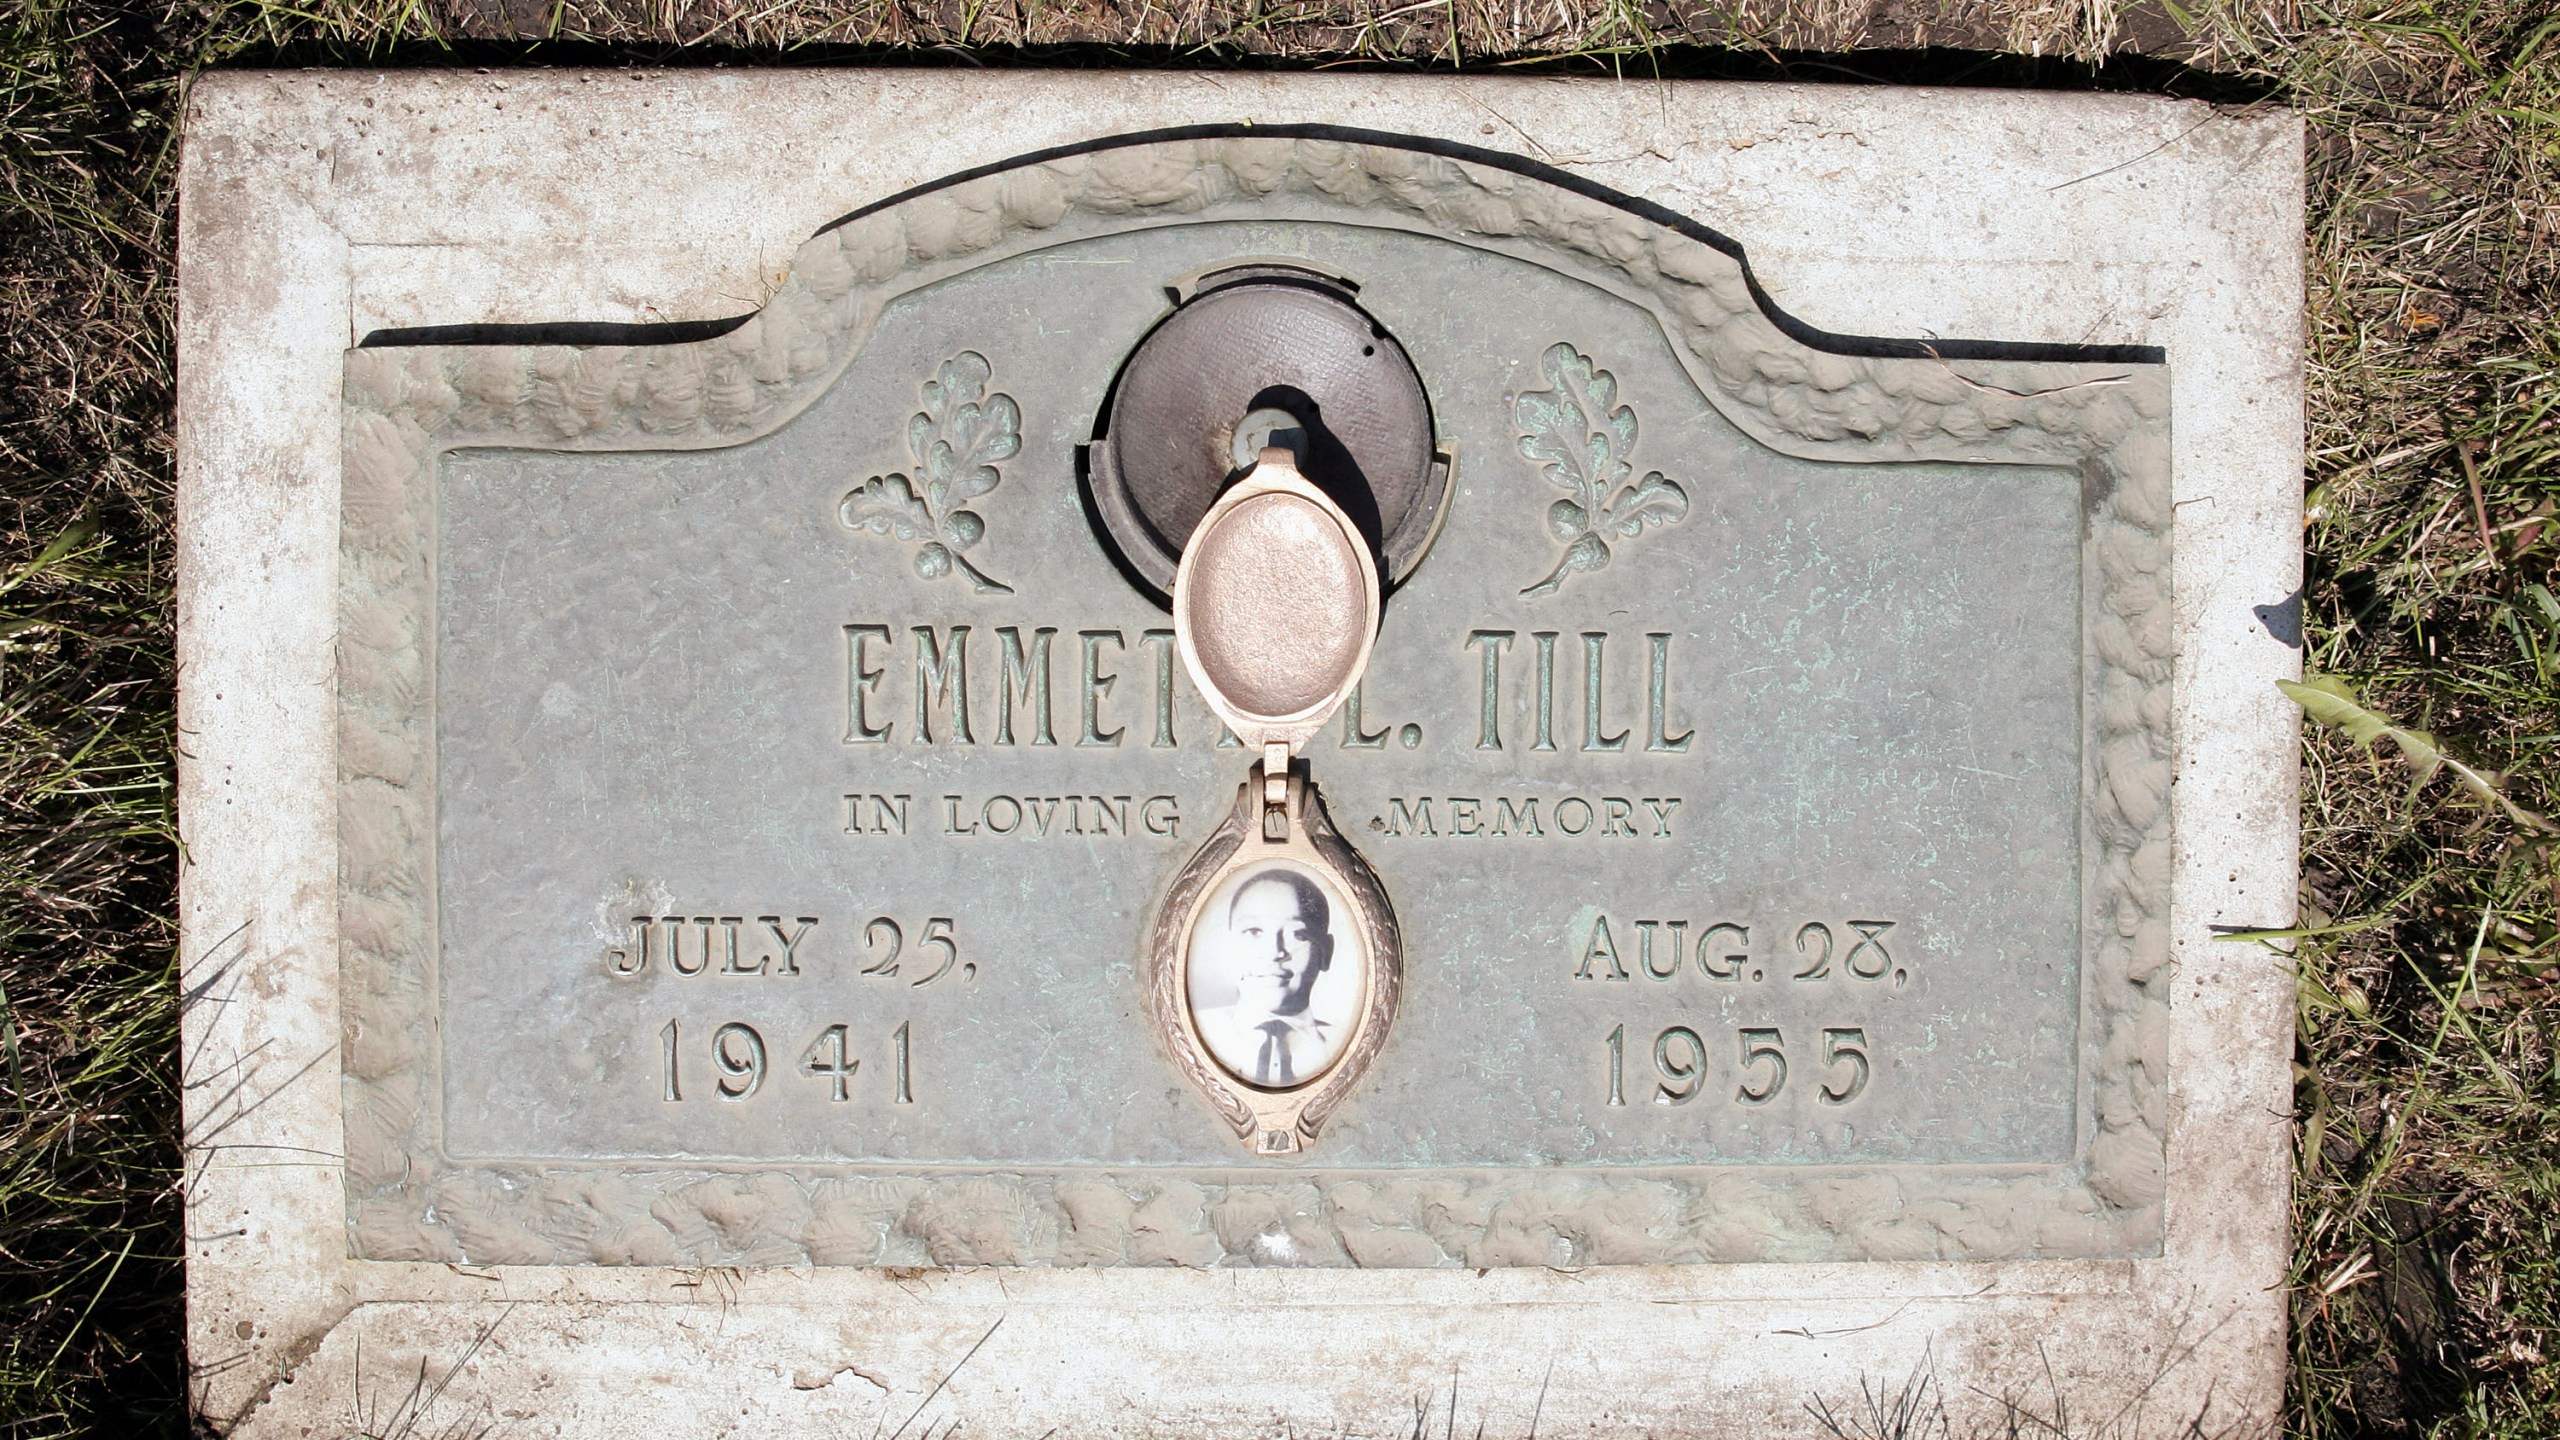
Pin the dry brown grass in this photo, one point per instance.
(2428, 1191)
(87, 1099)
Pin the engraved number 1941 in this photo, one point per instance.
(1680, 1065)
(740, 1060)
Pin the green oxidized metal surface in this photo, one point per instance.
(1768, 801)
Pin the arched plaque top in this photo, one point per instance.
(1795, 388)
(1811, 336)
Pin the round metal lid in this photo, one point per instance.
(1275, 605)
(1253, 354)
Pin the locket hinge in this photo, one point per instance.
(1275, 790)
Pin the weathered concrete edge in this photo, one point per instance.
(247, 494)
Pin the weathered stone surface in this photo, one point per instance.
(1836, 766)
(618, 680)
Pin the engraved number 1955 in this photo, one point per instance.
(1680, 1064)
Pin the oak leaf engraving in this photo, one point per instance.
(957, 442)
(1581, 438)
(887, 505)
(1651, 501)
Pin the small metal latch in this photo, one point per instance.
(1275, 790)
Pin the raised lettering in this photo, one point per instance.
(1546, 689)
(790, 938)
(1658, 701)
(942, 673)
(1578, 825)
(1489, 705)
(1594, 646)
(1418, 816)
(1043, 808)
(1602, 945)
(1731, 969)
(1690, 1070)
(1644, 947)
(1026, 674)
(1817, 966)
(629, 959)
(1012, 818)
(1353, 737)
(1163, 641)
(741, 1074)
(862, 681)
(1098, 684)
(887, 814)
(937, 931)
(1104, 817)
(1464, 816)
(731, 924)
(832, 1064)
(1662, 809)
(675, 944)
(1870, 938)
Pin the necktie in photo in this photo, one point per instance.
(1275, 1051)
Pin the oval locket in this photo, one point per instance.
(1275, 966)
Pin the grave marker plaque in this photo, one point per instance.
(789, 818)
(1766, 759)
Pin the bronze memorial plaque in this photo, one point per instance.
(1197, 681)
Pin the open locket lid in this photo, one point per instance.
(1275, 605)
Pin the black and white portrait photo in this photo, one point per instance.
(1276, 975)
